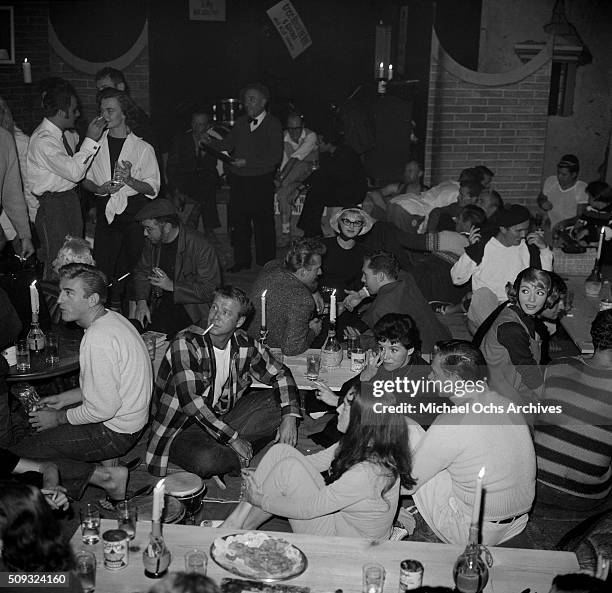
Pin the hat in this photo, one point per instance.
(511, 216)
(155, 209)
(569, 161)
(368, 221)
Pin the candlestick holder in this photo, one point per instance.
(156, 556)
(471, 572)
(592, 285)
(263, 336)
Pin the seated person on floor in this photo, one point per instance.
(563, 195)
(205, 418)
(103, 418)
(291, 310)
(598, 212)
(173, 283)
(512, 344)
(339, 181)
(574, 448)
(459, 443)
(359, 497)
(444, 218)
(492, 263)
(300, 157)
(377, 200)
(394, 292)
(75, 250)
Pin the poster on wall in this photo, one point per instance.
(290, 27)
(206, 10)
(7, 35)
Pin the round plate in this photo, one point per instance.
(223, 551)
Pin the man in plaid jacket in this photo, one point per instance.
(204, 418)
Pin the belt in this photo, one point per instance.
(505, 521)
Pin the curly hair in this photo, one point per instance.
(301, 254)
(128, 107)
(396, 327)
(539, 278)
(31, 536)
(74, 250)
(380, 439)
(601, 330)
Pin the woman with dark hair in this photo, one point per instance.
(366, 468)
(512, 345)
(124, 175)
(31, 537)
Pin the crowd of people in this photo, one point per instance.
(399, 258)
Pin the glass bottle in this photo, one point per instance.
(156, 556)
(592, 285)
(331, 353)
(470, 572)
(36, 337)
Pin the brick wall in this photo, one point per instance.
(31, 41)
(495, 119)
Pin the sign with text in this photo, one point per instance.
(290, 27)
(206, 10)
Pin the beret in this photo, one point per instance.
(511, 216)
(155, 209)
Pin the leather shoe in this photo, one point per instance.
(237, 267)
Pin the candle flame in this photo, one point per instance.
(33, 283)
(481, 473)
(333, 292)
(25, 60)
(263, 294)
(603, 230)
(380, 65)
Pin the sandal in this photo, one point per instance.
(211, 523)
(439, 306)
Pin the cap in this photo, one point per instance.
(155, 209)
(569, 161)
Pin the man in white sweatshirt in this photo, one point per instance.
(103, 417)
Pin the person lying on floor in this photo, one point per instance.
(365, 469)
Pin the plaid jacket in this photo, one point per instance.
(188, 369)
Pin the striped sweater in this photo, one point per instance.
(574, 448)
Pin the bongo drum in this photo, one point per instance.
(227, 110)
(188, 489)
(173, 511)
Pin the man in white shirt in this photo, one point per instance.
(54, 168)
(299, 156)
(103, 417)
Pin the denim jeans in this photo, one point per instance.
(75, 448)
(256, 416)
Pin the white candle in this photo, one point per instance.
(34, 303)
(332, 307)
(478, 497)
(158, 500)
(263, 308)
(602, 233)
(381, 70)
(390, 77)
(27, 71)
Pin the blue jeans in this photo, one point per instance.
(75, 448)
(256, 416)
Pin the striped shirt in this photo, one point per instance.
(574, 448)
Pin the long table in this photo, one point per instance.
(335, 562)
(577, 322)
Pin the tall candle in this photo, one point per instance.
(390, 77)
(27, 71)
(381, 70)
(34, 303)
(602, 233)
(158, 500)
(478, 497)
(263, 308)
(332, 307)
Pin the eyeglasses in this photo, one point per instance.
(353, 223)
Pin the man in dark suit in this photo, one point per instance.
(192, 175)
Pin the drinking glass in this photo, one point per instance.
(373, 578)
(196, 561)
(52, 349)
(568, 300)
(127, 516)
(86, 570)
(313, 366)
(150, 342)
(23, 355)
(90, 524)
(352, 342)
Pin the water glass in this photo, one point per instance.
(52, 349)
(23, 355)
(373, 578)
(86, 570)
(352, 342)
(90, 524)
(151, 343)
(127, 516)
(568, 300)
(313, 366)
(196, 561)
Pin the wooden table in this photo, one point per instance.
(335, 563)
(577, 322)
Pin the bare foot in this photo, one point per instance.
(113, 479)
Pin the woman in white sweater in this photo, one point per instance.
(365, 468)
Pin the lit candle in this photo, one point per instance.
(332, 307)
(27, 71)
(34, 299)
(478, 497)
(263, 308)
(158, 500)
(390, 71)
(381, 70)
(602, 233)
